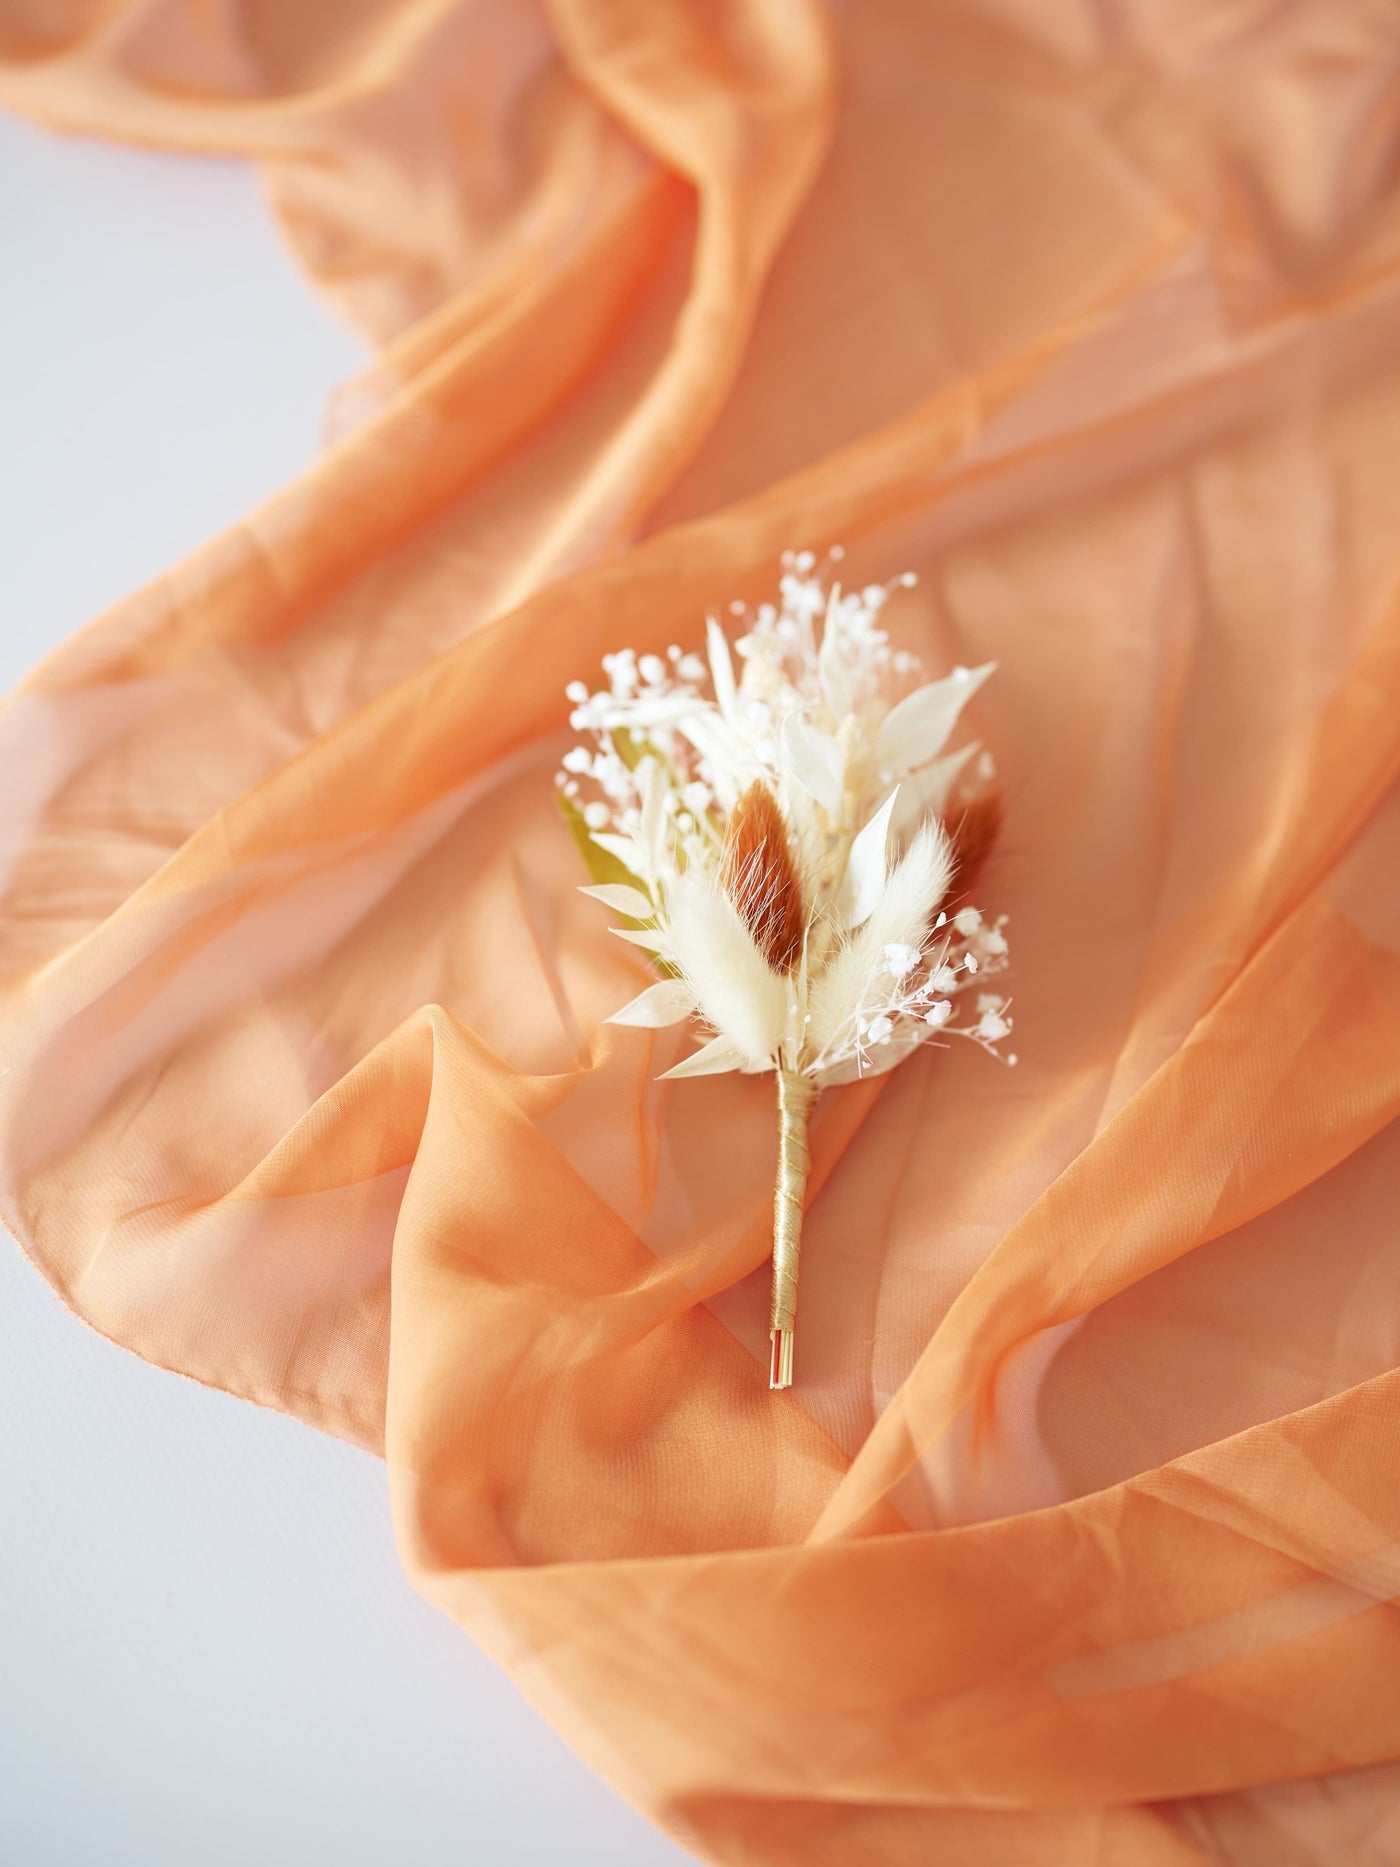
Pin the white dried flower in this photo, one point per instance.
(786, 793)
(901, 959)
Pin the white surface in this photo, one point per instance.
(208, 1654)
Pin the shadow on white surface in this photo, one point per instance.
(209, 1656)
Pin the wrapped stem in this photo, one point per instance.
(796, 1094)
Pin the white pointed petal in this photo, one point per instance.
(721, 751)
(800, 809)
(622, 900)
(915, 731)
(924, 793)
(639, 715)
(831, 663)
(668, 1002)
(712, 1058)
(649, 939)
(814, 759)
(622, 847)
(878, 1058)
(848, 1070)
(721, 667)
(868, 865)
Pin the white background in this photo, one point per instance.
(208, 1654)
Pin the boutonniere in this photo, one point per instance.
(780, 829)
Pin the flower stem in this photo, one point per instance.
(796, 1094)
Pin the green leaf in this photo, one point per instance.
(603, 866)
(630, 748)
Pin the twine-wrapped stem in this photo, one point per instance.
(796, 1094)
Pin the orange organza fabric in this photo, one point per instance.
(1079, 1538)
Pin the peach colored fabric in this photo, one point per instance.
(1079, 1539)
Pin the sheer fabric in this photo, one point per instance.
(1079, 1538)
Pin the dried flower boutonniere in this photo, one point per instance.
(792, 847)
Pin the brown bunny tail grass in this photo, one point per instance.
(758, 873)
(973, 835)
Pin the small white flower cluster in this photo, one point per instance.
(910, 998)
(633, 724)
(833, 720)
(781, 642)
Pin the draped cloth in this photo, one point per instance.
(1078, 1539)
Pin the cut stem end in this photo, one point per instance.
(780, 1362)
